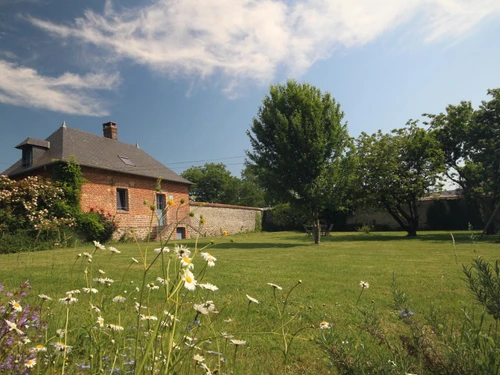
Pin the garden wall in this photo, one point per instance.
(224, 217)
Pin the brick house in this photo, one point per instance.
(120, 179)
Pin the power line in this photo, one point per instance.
(205, 160)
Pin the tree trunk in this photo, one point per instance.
(317, 231)
(488, 224)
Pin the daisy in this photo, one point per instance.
(182, 251)
(162, 250)
(364, 284)
(30, 363)
(76, 291)
(115, 327)
(39, 348)
(114, 250)
(60, 332)
(189, 281)
(238, 342)
(251, 299)
(198, 358)
(134, 260)
(45, 297)
(226, 335)
(68, 300)
(274, 286)
(99, 246)
(102, 272)
(13, 327)
(148, 317)
(186, 262)
(62, 347)
(209, 258)
(200, 309)
(87, 255)
(95, 308)
(90, 290)
(152, 286)
(228, 320)
(16, 306)
(209, 286)
(119, 298)
(100, 321)
(161, 280)
(324, 325)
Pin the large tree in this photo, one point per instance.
(397, 169)
(302, 153)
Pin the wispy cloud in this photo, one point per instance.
(68, 93)
(254, 39)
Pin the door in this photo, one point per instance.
(160, 207)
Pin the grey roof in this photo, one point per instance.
(95, 151)
(34, 142)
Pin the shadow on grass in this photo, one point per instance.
(254, 245)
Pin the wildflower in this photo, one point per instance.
(186, 262)
(162, 250)
(251, 299)
(99, 246)
(102, 272)
(161, 280)
(38, 349)
(182, 251)
(76, 291)
(45, 297)
(134, 260)
(95, 308)
(209, 258)
(60, 332)
(406, 313)
(148, 317)
(87, 255)
(119, 298)
(198, 358)
(324, 325)
(62, 347)
(68, 300)
(152, 286)
(90, 290)
(13, 327)
(200, 309)
(100, 321)
(30, 363)
(209, 286)
(114, 250)
(228, 320)
(225, 233)
(392, 363)
(15, 305)
(115, 327)
(170, 202)
(238, 342)
(189, 281)
(364, 284)
(25, 340)
(274, 286)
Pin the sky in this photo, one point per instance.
(184, 78)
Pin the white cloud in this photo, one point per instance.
(254, 39)
(68, 93)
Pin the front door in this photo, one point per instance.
(160, 207)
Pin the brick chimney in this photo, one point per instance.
(110, 130)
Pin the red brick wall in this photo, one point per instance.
(99, 193)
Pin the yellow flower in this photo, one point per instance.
(16, 306)
(324, 325)
(170, 202)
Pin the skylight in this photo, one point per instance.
(126, 160)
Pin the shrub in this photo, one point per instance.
(365, 228)
(96, 225)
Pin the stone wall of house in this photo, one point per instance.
(223, 217)
(100, 193)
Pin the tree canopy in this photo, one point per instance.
(302, 153)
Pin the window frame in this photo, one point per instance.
(122, 200)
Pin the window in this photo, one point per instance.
(122, 199)
(27, 157)
(126, 160)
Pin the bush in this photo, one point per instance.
(96, 225)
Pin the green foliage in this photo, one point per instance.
(398, 169)
(258, 222)
(96, 226)
(302, 153)
(286, 217)
(69, 177)
(365, 228)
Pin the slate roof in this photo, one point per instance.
(95, 151)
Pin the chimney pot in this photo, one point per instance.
(110, 130)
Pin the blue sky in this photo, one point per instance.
(184, 78)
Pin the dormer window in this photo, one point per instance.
(27, 160)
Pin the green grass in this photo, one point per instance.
(428, 269)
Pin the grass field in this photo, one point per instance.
(428, 269)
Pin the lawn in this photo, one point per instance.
(428, 269)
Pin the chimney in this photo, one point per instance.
(110, 130)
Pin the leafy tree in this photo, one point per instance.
(212, 183)
(302, 153)
(398, 169)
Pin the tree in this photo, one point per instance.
(396, 170)
(212, 183)
(302, 153)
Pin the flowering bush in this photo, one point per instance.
(96, 225)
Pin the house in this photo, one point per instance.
(121, 179)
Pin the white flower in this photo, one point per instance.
(87, 255)
(115, 327)
(161, 280)
(90, 290)
(152, 286)
(16, 306)
(187, 262)
(162, 250)
(60, 332)
(61, 347)
(102, 272)
(39, 348)
(238, 342)
(324, 325)
(148, 317)
(95, 308)
(68, 300)
(76, 291)
(200, 309)
(30, 363)
(209, 258)
(209, 286)
(119, 298)
(251, 299)
(182, 251)
(100, 321)
(45, 297)
(274, 286)
(189, 281)
(13, 327)
(114, 250)
(210, 306)
(198, 358)
(364, 284)
(99, 246)
(134, 260)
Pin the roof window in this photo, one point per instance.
(126, 160)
